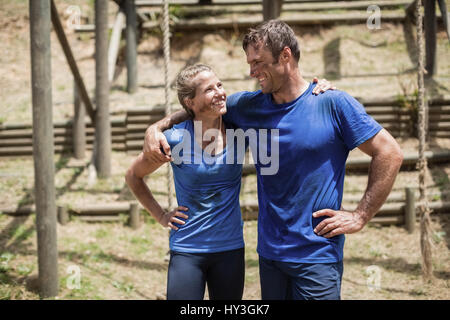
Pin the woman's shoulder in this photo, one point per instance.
(175, 134)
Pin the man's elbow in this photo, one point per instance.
(397, 156)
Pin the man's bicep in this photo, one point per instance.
(382, 140)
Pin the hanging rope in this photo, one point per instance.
(425, 243)
(166, 45)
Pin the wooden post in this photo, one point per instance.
(271, 9)
(131, 45)
(135, 222)
(430, 37)
(43, 149)
(71, 61)
(63, 216)
(410, 210)
(78, 126)
(102, 124)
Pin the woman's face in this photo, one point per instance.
(210, 97)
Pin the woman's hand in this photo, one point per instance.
(322, 86)
(168, 218)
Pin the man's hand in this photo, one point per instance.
(153, 142)
(322, 86)
(340, 222)
(168, 218)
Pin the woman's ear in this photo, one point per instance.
(189, 102)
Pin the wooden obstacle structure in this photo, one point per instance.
(243, 14)
(128, 130)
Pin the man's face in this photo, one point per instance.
(264, 68)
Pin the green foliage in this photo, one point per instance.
(410, 104)
(5, 258)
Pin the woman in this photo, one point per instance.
(206, 240)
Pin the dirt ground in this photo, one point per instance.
(112, 261)
(115, 262)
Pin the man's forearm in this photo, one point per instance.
(382, 173)
(172, 119)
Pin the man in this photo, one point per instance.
(300, 225)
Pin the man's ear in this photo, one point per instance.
(285, 55)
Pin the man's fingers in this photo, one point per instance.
(159, 156)
(327, 228)
(324, 212)
(323, 225)
(165, 146)
(334, 232)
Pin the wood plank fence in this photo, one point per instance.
(395, 115)
(398, 210)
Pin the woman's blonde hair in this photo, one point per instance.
(186, 87)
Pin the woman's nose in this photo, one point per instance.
(221, 92)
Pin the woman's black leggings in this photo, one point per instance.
(188, 273)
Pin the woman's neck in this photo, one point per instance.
(214, 139)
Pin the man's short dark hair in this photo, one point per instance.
(275, 35)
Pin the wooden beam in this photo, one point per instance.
(43, 151)
(131, 45)
(271, 9)
(114, 44)
(71, 61)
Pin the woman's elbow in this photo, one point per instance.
(129, 177)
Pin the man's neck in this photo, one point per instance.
(293, 87)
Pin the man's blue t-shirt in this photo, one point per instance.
(209, 187)
(315, 136)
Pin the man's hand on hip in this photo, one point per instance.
(339, 222)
